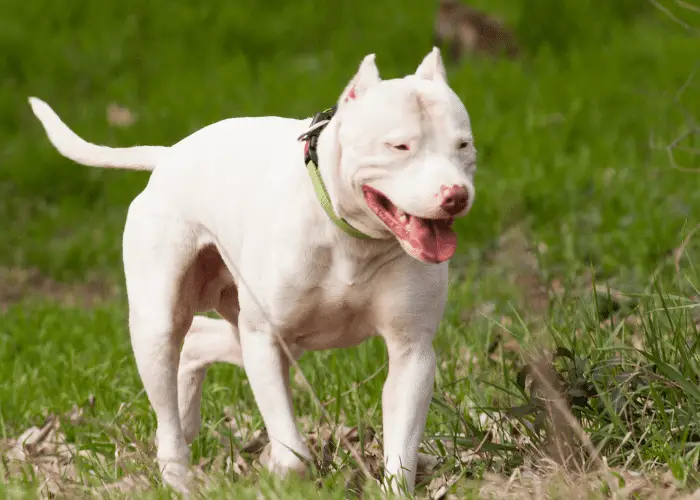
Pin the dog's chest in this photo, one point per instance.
(331, 321)
(334, 310)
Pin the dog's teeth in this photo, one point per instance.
(403, 216)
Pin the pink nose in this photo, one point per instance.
(453, 199)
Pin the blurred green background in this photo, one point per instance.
(571, 136)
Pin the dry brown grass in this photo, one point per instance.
(19, 284)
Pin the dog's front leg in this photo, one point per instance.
(405, 401)
(267, 368)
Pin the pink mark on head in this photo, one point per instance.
(306, 148)
(351, 95)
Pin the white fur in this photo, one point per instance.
(73, 147)
(229, 221)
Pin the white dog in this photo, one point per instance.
(352, 245)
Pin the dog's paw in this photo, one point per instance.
(395, 486)
(281, 460)
(177, 475)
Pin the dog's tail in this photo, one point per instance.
(70, 145)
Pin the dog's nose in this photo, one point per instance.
(453, 199)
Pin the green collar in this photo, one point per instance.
(324, 199)
(318, 123)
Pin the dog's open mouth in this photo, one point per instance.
(430, 240)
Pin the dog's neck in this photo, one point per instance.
(345, 203)
(340, 191)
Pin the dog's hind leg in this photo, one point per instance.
(158, 252)
(208, 341)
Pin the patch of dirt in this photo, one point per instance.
(20, 284)
(516, 257)
(513, 261)
(119, 116)
(44, 453)
(526, 483)
(64, 471)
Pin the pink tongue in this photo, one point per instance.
(435, 241)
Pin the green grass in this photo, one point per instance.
(571, 143)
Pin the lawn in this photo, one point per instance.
(581, 244)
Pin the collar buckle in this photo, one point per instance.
(318, 123)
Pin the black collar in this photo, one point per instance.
(320, 120)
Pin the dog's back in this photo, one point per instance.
(469, 30)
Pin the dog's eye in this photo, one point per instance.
(463, 144)
(401, 147)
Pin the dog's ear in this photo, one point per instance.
(366, 77)
(432, 67)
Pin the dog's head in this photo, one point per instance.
(403, 158)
